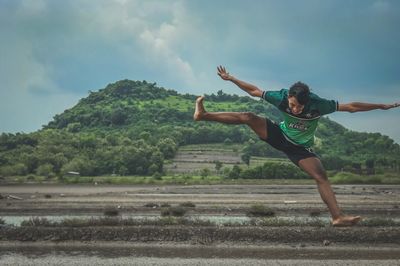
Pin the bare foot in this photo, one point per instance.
(346, 221)
(199, 112)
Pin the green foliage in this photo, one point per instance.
(45, 170)
(272, 170)
(218, 165)
(246, 158)
(14, 170)
(235, 172)
(205, 172)
(167, 147)
(351, 178)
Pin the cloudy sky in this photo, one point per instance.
(53, 52)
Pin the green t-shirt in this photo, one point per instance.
(300, 129)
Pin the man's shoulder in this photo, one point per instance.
(316, 99)
(324, 106)
(275, 96)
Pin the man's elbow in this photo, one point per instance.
(352, 109)
(256, 93)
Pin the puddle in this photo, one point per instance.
(218, 220)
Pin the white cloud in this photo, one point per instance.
(158, 29)
(21, 71)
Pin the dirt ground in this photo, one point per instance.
(372, 244)
(286, 200)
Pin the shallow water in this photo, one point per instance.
(218, 220)
(124, 252)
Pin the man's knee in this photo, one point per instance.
(249, 117)
(321, 178)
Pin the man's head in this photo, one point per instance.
(299, 95)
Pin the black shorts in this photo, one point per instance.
(276, 139)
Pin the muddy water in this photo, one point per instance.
(278, 252)
(212, 201)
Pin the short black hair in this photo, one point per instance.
(301, 91)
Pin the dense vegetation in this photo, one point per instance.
(132, 127)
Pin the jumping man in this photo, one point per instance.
(294, 136)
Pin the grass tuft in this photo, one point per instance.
(259, 210)
(111, 212)
(174, 211)
(188, 204)
(151, 205)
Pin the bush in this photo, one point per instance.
(13, 170)
(39, 179)
(174, 211)
(350, 178)
(157, 176)
(30, 177)
(205, 172)
(260, 210)
(45, 170)
(151, 205)
(188, 204)
(235, 172)
(111, 212)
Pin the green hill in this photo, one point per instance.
(132, 127)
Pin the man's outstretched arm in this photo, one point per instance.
(247, 87)
(360, 107)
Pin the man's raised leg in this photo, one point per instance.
(256, 123)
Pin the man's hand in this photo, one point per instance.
(390, 106)
(360, 107)
(223, 74)
(247, 87)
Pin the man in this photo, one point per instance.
(294, 136)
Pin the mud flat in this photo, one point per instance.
(122, 253)
(374, 244)
(227, 200)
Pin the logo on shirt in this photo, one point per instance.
(310, 115)
(300, 125)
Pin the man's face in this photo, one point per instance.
(294, 105)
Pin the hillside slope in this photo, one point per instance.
(131, 127)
